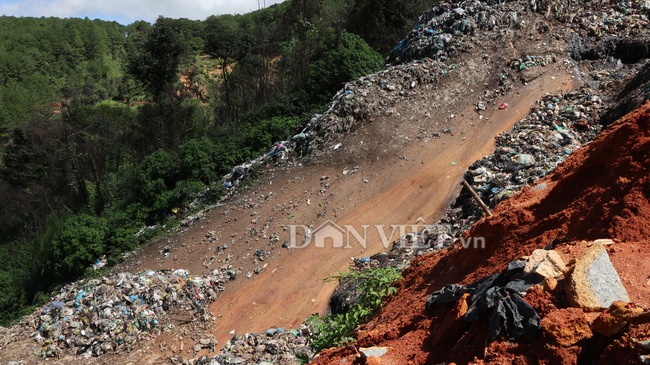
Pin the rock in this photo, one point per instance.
(549, 284)
(594, 282)
(373, 351)
(205, 341)
(546, 263)
(381, 257)
(373, 360)
(612, 320)
(566, 326)
(345, 296)
(372, 355)
(645, 344)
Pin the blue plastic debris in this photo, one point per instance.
(77, 299)
(52, 306)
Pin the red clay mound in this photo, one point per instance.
(601, 191)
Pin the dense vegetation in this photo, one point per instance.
(106, 128)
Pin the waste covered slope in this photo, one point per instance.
(602, 190)
(391, 148)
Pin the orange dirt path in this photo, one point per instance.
(294, 286)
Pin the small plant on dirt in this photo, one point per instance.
(336, 329)
(302, 359)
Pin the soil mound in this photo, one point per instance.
(600, 191)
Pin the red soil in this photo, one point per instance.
(601, 191)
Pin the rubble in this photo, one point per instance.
(546, 263)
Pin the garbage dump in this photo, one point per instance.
(448, 29)
(110, 314)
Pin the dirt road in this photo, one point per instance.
(293, 286)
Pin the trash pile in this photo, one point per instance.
(447, 29)
(274, 346)
(367, 98)
(618, 30)
(530, 61)
(110, 314)
(557, 125)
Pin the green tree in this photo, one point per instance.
(341, 59)
(383, 23)
(228, 42)
(74, 243)
(157, 175)
(155, 62)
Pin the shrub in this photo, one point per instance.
(73, 243)
(198, 159)
(345, 58)
(336, 329)
(157, 173)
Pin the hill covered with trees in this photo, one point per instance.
(106, 128)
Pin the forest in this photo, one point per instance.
(106, 129)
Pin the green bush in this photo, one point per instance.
(73, 243)
(261, 136)
(346, 57)
(199, 160)
(185, 191)
(156, 176)
(336, 329)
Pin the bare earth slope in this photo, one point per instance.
(601, 191)
(409, 173)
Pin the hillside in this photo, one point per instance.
(530, 80)
(578, 203)
(106, 129)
